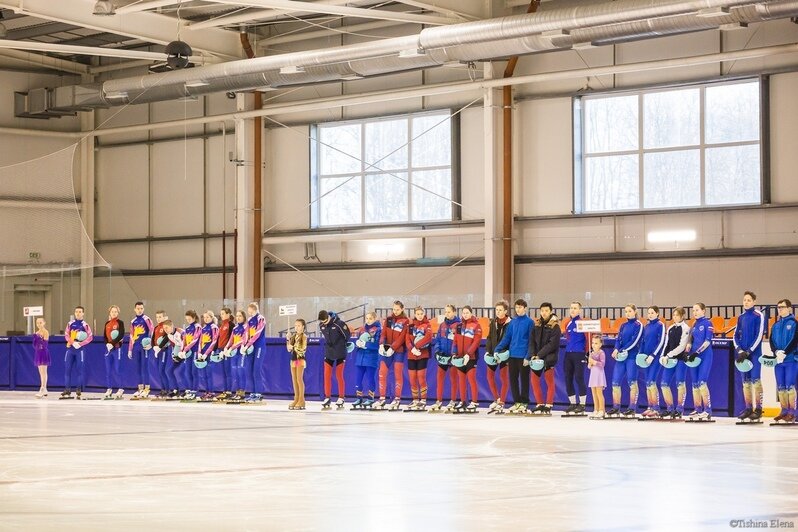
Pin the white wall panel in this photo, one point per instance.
(122, 192)
(543, 155)
(178, 254)
(690, 44)
(472, 166)
(286, 183)
(130, 256)
(129, 115)
(220, 189)
(178, 188)
(783, 132)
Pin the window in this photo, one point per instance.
(695, 146)
(379, 171)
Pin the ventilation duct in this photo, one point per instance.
(551, 29)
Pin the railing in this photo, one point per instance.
(612, 313)
(360, 317)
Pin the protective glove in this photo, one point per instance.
(361, 344)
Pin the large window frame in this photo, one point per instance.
(580, 156)
(367, 170)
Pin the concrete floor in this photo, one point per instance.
(122, 465)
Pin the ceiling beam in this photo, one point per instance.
(359, 12)
(437, 9)
(144, 6)
(260, 15)
(307, 35)
(84, 50)
(151, 27)
(45, 61)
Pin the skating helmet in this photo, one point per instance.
(768, 362)
(695, 363)
(668, 362)
(443, 360)
(537, 364)
(642, 360)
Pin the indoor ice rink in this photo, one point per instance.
(398, 265)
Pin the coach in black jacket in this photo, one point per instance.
(544, 344)
(336, 335)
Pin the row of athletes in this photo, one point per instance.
(519, 350)
(181, 353)
(523, 350)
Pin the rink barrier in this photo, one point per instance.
(17, 372)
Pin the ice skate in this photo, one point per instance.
(436, 407)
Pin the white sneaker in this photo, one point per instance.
(436, 405)
(395, 404)
(703, 416)
(145, 393)
(339, 403)
(494, 405)
(119, 393)
(472, 406)
(412, 405)
(137, 394)
(421, 405)
(451, 405)
(108, 393)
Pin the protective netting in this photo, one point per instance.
(45, 251)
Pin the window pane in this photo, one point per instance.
(386, 198)
(611, 124)
(432, 192)
(732, 113)
(386, 145)
(340, 149)
(432, 140)
(611, 183)
(342, 205)
(672, 179)
(732, 175)
(672, 118)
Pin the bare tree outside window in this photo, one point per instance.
(695, 146)
(386, 170)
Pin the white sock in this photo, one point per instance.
(572, 399)
(582, 400)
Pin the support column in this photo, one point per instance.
(87, 255)
(245, 219)
(494, 273)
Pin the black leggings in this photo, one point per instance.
(575, 367)
(418, 364)
(517, 369)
